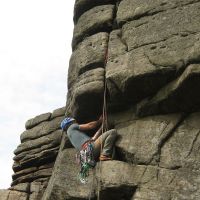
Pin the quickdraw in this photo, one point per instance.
(86, 161)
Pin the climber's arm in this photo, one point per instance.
(90, 125)
(97, 134)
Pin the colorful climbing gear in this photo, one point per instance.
(86, 161)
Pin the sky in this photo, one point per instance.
(35, 47)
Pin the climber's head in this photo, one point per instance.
(66, 122)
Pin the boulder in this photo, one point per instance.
(90, 54)
(97, 19)
(141, 140)
(150, 30)
(116, 45)
(87, 95)
(12, 195)
(31, 170)
(22, 187)
(53, 138)
(159, 183)
(58, 112)
(133, 9)
(64, 183)
(150, 56)
(82, 6)
(182, 150)
(117, 180)
(37, 159)
(181, 94)
(37, 120)
(139, 73)
(37, 189)
(42, 129)
(43, 173)
(132, 76)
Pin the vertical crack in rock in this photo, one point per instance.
(170, 133)
(193, 143)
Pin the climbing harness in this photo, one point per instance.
(86, 160)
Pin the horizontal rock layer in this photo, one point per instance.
(101, 21)
(35, 156)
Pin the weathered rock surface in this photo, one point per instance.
(82, 6)
(37, 189)
(149, 56)
(182, 150)
(90, 54)
(12, 195)
(176, 96)
(22, 187)
(42, 129)
(88, 93)
(64, 183)
(141, 140)
(97, 19)
(129, 10)
(146, 182)
(35, 156)
(36, 120)
(58, 112)
(53, 138)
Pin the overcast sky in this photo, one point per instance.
(35, 46)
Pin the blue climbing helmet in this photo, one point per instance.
(65, 122)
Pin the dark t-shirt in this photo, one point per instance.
(77, 137)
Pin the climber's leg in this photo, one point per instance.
(104, 145)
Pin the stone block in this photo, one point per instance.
(116, 45)
(120, 180)
(117, 180)
(140, 140)
(37, 159)
(134, 75)
(167, 184)
(133, 9)
(63, 183)
(87, 95)
(58, 112)
(22, 187)
(42, 129)
(12, 195)
(181, 94)
(53, 138)
(83, 5)
(150, 56)
(37, 120)
(90, 54)
(182, 149)
(97, 19)
(43, 173)
(37, 189)
(150, 30)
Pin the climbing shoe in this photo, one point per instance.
(104, 158)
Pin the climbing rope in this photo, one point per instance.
(86, 157)
(104, 124)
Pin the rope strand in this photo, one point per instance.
(104, 124)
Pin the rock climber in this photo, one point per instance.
(102, 143)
